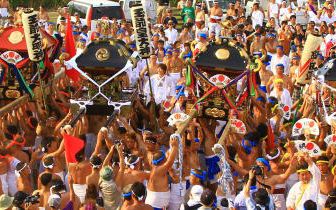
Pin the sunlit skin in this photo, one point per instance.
(305, 177)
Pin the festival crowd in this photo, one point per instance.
(133, 164)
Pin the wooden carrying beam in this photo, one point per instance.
(24, 99)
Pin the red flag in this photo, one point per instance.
(72, 146)
(70, 49)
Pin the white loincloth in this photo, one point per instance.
(4, 12)
(61, 175)
(158, 199)
(279, 201)
(177, 195)
(322, 200)
(80, 191)
(4, 184)
(175, 77)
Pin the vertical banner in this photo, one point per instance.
(142, 35)
(312, 43)
(32, 35)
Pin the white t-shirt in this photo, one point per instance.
(285, 97)
(280, 60)
(172, 35)
(257, 18)
(273, 10)
(327, 19)
(162, 88)
(297, 197)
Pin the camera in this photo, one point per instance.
(33, 199)
(257, 170)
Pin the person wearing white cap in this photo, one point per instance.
(257, 14)
(273, 10)
(194, 199)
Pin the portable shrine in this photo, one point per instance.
(15, 65)
(105, 86)
(217, 69)
(222, 57)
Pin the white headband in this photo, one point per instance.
(131, 165)
(275, 157)
(17, 172)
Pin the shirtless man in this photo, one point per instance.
(231, 11)
(294, 69)
(265, 76)
(200, 15)
(211, 159)
(216, 14)
(185, 35)
(195, 146)
(280, 75)
(152, 65)
(44, 189)
(50, 148)
(23, 178)
(133, 172)
(158, 193)
(138, 195)
(271, 44)
(257, 45)
(96, 164)
(326, 184)
(79, 171)
(175, 66)
(48, 163)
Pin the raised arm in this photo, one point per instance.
(108, 157)
(174, 149)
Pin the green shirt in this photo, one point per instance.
(188, 12)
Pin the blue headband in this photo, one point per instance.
(196, 140)
(203, 35)
(178, 87)
(189, 55)
(200, 176)
(271, 35)
(320, 56)
(246, 148)
(265, 162)
(181, 92)
(125, 195)
(253, 187)
(260, 98)
(270, 100)
(280, 65)
(157, 162)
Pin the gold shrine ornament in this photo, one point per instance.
(102, 54)
(15, 37)
(222, 54)
(215, 112)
